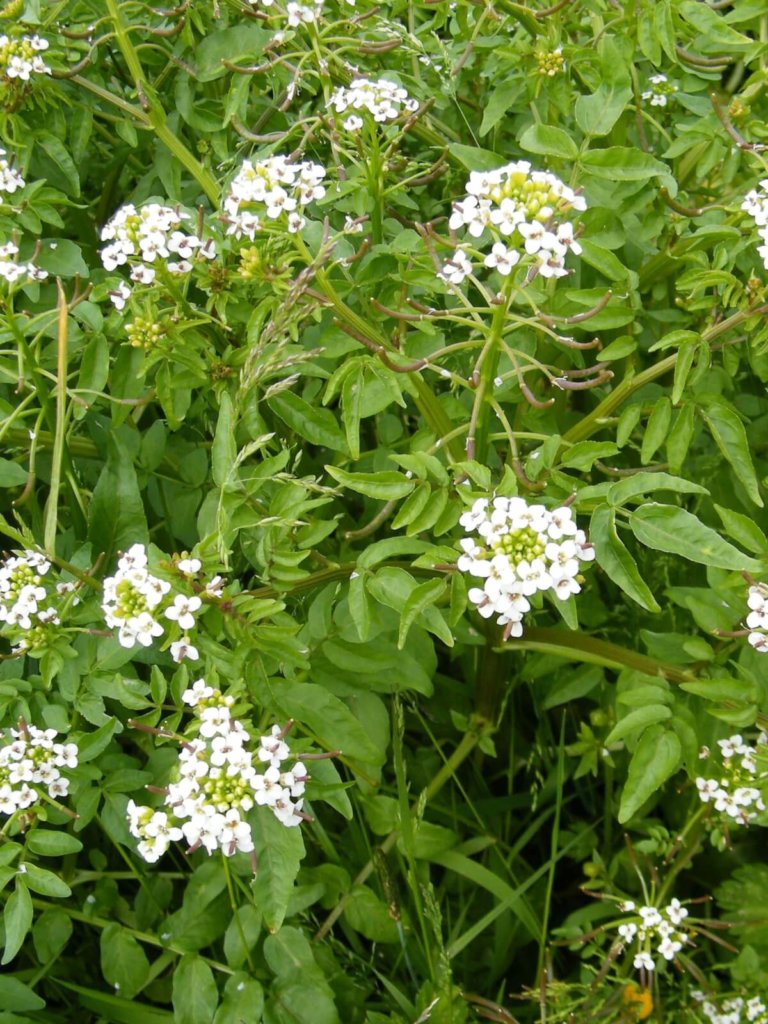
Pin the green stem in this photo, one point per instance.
(577, 646)
(554, 843)
(155, 113)
(52, 505)
(468, 743)
(235, 914)
(375, 183)
(489, 364)
(595, 419)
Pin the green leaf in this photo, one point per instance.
(370, 916)
(352, 395)
(724, 689)
(17, 920)
(116, 517)
(195, 996)
(49, 843)
(730, 437)
(224, 448)
(243, 1001)
(638, 719)
(717, 34)
(245, 40)
(656, 429)
(318, 426)
(621, 163)
(16, 996)
(279, 851)
(582, 455)
(597, 114)
(51, 932)
(12, 474)
(685, 357)
(242, 935)
(548, 141)
(386, 485)
(616, 561)
(677, 532)
(474, 158)
(124, 963)
(60, 163)
(62, 258)
(328, 718)
(638, 484)
(47, 883)
(656, 757)
(420, 598)
(115, 1009)
(744, 530)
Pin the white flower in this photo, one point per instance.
(120, 295)
(181, 611)
(516, 556)
(644, 961)
(457, 268)
(189, 566)
(184, 650)
(502, 259)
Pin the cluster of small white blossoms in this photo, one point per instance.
(756, 205)
(10, 179)
(757, 599)
(11, 270)
(20, 58)
(146, 237)
(134, 601)
(736, 1010)
(297, 14)
(269, 189)
(661, 89)
(31, 759)
(522, 549)
(737, 793)
(218, 784)
(654, 925)
(25, 603)
(523, 213)
(383, 100)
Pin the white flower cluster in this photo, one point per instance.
(522, 549)
(653, 925)
(757, 599)
(134, 601)
(24, 601)
(268, 189)
(736, 1010)
(31, 759)
(218, 784)
(737, 793)
(523, 213)
(756, 205)
(20, 58)
(661, 89)
(383, 100)
(146, 237)
(10, 179)
(12, 271)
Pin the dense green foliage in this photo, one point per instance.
(291, 417)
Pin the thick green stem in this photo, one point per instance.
(566, 643)
(52, 505)
(489, 365)
(593, 421)
(155, 114)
